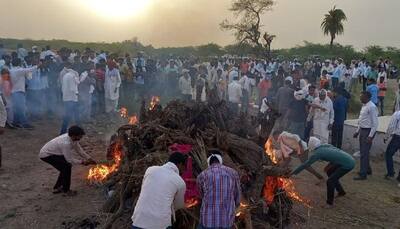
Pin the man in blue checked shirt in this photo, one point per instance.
(219, 188)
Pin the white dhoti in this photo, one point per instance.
(321, 131)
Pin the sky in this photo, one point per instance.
(175, 23)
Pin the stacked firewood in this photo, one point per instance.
(204, 126)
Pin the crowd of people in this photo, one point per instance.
(311, 97)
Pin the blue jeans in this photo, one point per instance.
(34, 103)
(19, 107)
(71, 111)
(392, 148)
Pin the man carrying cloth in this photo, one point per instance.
(292, 145)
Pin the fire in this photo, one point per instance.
(101, 172)
(155, 100)
(270, 151)
(131, 119)
(193, 202)
(242, 209)
(123, 112)
(274, 183)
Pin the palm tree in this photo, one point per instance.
(332, 24)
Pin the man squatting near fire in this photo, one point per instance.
(340, 163)
(61, 153)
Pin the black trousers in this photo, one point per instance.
(335, 172)
(64, 178)
(337, 135)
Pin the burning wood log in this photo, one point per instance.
(146, 143)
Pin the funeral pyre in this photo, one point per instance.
(148, 142)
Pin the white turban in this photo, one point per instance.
(299, 95)
(217, 156)
(289, 78)
(313, 143)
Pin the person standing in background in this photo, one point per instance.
(6, 88)
(373, 90)
(111, 87)
(18, 76)
(367, 126)
(323, 114)
(185, 86)
(340, 104)
(69, 87)
(3, 119)
(393, 132)
(382, 93)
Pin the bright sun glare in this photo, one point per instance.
(117, 9)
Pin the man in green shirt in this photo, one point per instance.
(340, 163)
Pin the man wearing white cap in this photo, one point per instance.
(219, 188)
(323, 116)
(340, 163)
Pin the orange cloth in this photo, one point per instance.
(382, 89)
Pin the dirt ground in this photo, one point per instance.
(27, 202)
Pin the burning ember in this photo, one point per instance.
(242, 209)
(124, 114)
(192, 203)
(275, 183)
(101, 172)
(155, 100)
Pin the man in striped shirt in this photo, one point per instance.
(219, 188)
(393, 131)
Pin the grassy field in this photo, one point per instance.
(355, 104)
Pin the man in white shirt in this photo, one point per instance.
(61, 153)
(367, 126)
(393, 131)
(162, 193)
(323, 116)
(355, 76)
(185, 86)
(111, 86)
(247, 84)
(69, 84)
(234, 95)
(18, 77)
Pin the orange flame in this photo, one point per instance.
(155, 100)
(270, 151)
(242, 209)
(123, 112)
(190, 203)
(101, 172)
(273, 183)
(133, 120)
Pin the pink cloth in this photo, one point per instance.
(191, 186)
